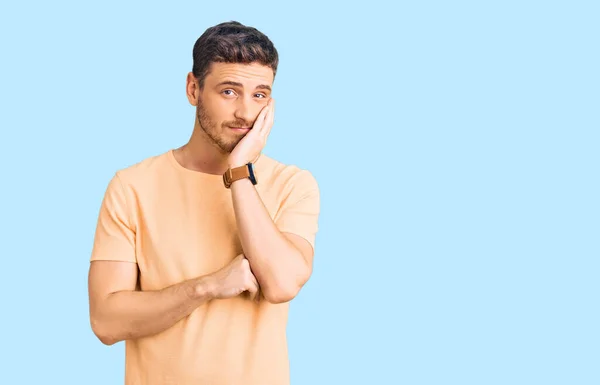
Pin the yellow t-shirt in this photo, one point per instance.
(178, 224)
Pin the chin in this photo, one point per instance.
(228, 147)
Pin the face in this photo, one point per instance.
(233, 96)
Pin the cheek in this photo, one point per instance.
(221, 110)
(212, 110)
(259, 108)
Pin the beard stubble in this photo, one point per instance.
(218, 137)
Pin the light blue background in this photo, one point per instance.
(456, 147)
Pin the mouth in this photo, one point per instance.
(240, 129)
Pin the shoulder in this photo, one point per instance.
(286, 177)
(144, 170)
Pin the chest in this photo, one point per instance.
(185, 233)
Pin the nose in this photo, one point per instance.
(244, 111)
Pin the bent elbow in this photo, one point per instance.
(277, 298)
(107, 340)
(281, 294)
(101, 333)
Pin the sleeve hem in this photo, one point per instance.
(309, 239)
(112, 260)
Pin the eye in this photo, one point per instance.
(227, 92)
(261, 95)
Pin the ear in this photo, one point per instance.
(192, 89)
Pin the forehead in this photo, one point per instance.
(250, 75)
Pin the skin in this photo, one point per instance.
(219, 107)
(275, 264)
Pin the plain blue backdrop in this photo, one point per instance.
(456, 147)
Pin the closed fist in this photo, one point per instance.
(234, 279)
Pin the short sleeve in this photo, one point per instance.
(300, 212)
(114, 238)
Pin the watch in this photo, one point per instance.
(241, 172)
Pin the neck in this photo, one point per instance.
(201, 154)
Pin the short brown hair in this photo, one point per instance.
(232, 42)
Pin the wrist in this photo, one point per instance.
(235, 173)
(204, 288)
(236, 160)
(240, 161)
(236, 163)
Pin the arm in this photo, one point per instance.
(280, 253)
(281, 262)
(119, 311)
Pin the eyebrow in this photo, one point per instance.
(240, 85)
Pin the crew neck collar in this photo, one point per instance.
(199, 174)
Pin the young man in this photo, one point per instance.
(198, 250)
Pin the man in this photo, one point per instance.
(199, 250)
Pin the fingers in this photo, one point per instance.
(264, 120)
(269, 118)
(253, 288)
(249, 282)
(259, 123)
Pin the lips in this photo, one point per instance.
(241, 130)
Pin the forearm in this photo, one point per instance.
(278, 266)
(127, 315)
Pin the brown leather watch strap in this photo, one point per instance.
(236, 173)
